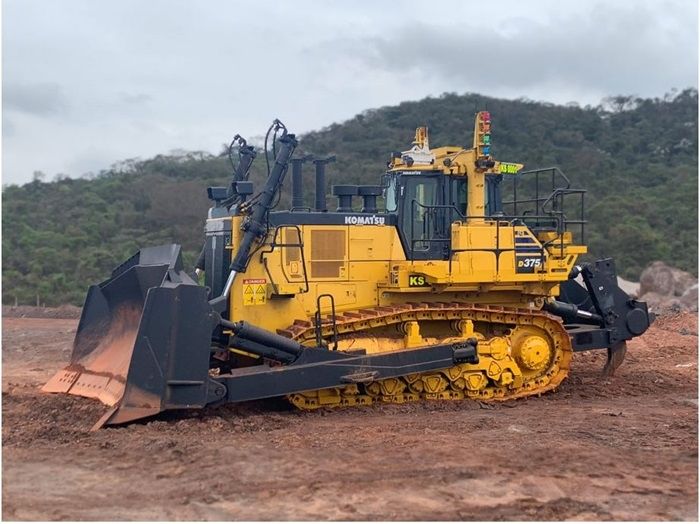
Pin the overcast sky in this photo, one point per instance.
(88, 83)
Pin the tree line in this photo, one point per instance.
(636, 157)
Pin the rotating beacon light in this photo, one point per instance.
(482, 140)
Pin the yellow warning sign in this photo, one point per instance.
(254, 291)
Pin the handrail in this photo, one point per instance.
(501, 221)
(549, 212)
(492, 218)
(318, 321)
(299, 245)
(560, 192)
(551, 204)
(554, 169)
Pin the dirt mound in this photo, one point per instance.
(65, 311)
(667, 288)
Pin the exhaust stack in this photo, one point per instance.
(321, 182)
(297, 182)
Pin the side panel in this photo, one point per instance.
(364, 266)
(348, 262)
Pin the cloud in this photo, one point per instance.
(90, 160)
(135, 98)
(633, 49)
(8, 126)
(97, 82)
(41, 99)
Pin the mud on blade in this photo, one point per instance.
(132, 328)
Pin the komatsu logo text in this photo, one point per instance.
(374, 220)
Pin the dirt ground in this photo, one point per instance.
(621, 448)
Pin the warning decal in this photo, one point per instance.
(254, 291)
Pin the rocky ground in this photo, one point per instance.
(619, 448)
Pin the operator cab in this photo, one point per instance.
(426, 204)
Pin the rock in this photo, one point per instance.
(656, 278)
(629, 287)
(668, 288)
(689, 299)
(661, 278)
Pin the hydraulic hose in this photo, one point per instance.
(255, 226)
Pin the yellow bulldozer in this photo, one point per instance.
(431, 285)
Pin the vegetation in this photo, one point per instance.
(637, 158)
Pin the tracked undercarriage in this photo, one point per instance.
(519, 352)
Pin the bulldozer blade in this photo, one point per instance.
(616, 355)
(143, 340)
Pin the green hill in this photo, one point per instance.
(637, 158)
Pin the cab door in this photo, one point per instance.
(423, 217)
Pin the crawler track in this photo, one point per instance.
(522, 352)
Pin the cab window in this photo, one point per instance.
(418, 220)
(390, 194)
(458, 197)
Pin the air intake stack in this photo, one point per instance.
(344, 194)
(369, 196)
